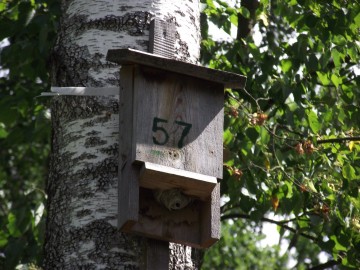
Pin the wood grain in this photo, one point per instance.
(130, 56)
(162, 38)
(128, 175)
(173, 97)
(154, 176)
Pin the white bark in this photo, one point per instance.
(82, 207)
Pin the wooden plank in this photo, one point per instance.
(157, 222)
(128, 175)
(154, 176)
(157, 255)
(178, 122)
(210, 219)
(162, 38)
(131, 56)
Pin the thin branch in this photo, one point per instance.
(279, 223)
(256, 102)
(279, 137)
(335, 140)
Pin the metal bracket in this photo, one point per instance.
(81, 91)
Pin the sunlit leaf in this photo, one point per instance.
(351, 145)
(245, 12)
(323, 77)
(336, 55)
(336, 80)
(275, 202)
(313, 121)
(348, 172)
(228, 136)
(286, 65)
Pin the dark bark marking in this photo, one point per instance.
(83, 213)
(182, 14)
(71, 63)
(134, 23)
(72, 108)
(112, 150)
(94, 141)
(93, 133)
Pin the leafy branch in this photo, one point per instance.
(264, 219)
(335, 140)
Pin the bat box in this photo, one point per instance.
(171, 142)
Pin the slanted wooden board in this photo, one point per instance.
(130, 56)
(154, 176)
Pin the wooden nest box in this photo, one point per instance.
(171, 147)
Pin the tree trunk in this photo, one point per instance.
(81, 229)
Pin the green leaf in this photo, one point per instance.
(245, 12)
(357, 19)
(286, 65)
(336, 80)
(313, 121)
(323, 77)
(2, 6)
(264, 136)
(12, 226)
(311, 186)
(352, 52)
(228, 136)
(3, 132)
(336, 55)
(234, 19)
(3, 238)
(348, 172)
(338, 245)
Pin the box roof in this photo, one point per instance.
(131, 56)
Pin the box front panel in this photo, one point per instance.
(178, 121)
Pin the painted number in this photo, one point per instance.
(157, 122)
(157, 128)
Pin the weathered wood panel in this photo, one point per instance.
(162, 38)
(197, 225)
(157, 255)
(210, 218)
(178, 121)
(128, 175)
(174, 140)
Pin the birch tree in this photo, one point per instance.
(81, 228)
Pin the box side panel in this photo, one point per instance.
(210, 219)
(128, 176)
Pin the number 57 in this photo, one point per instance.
(157, 128)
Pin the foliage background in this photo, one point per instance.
(290, 139)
